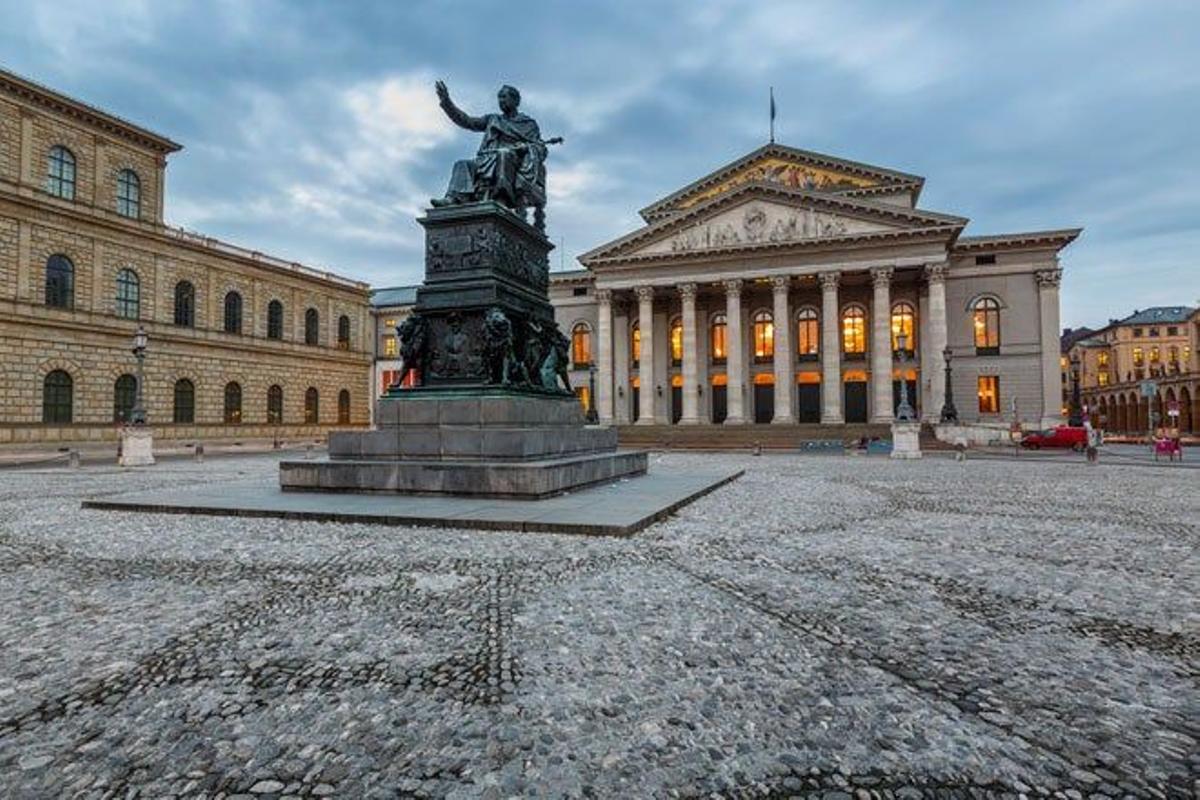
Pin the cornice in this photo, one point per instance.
(1059, 238)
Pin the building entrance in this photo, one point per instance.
(809, 408)
(764, 403)
(854, 401)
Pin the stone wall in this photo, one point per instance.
(10, 141)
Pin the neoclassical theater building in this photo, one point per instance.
(241, 344)
(790, 287)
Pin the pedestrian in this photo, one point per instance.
(1093, 442)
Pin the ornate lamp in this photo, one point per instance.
(592, 417)
(949, 412)
(137, 415)
(1075, 418)
(904, 411)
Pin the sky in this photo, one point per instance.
(312, 132)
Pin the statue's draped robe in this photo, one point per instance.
(507, 175)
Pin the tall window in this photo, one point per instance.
(57, 396)
(233, 403)
(903, 319)
(124, 396)
(312, 327)
(311, 406)
(185, 401)
(275, 405)
(129, 294)
(390, 347)
(581, 344)
(1102, 360)
(987, 327)
(989, 394)
(1155, 356)
(854, 331)
(808, 334)
(717, 334)
(60, 173)
(635, 340)
(185, 304)
(1139, 356)
(129, 194)
(233, 313)
(676, 342)
(343, 333)
(344, 407)
(60, 282)
(274, 320)
(764, 336)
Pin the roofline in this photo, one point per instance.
(394, 288)
(49, 99)
(572, 275)
(1062, 237)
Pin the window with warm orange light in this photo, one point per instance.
(854, 331)
(989, 394)
(635, 341)
(676, 342)
(581, 344)
(1102, 360)
(1139, 356)
(718, 339)
(1102, 378)
(987, 327)
(1154, 355)
(903, 322)
(764, 336)
(808, 334)
(585, 398)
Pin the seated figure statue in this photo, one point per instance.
(509, 167)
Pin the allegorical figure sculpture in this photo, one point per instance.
(509, 167)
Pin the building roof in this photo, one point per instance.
(1058, 239)
(1072, 336)
(394, 296)
(571, 275)
(1158, 314)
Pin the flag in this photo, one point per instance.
(772, 114)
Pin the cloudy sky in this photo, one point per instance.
(311, 129)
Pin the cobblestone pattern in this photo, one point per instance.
(823, 627)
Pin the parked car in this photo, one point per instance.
(1061, 436)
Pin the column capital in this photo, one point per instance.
(781, 283)
(644, 292)
(936, 273)
(881, 276)
(829, 280)
(1049, 278)
(733, 286)
(604, 295)
(687, 291)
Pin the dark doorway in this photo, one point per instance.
(810, 402)
(637, 407)
(719, 410)
(912, 396)
(855, 401)
(676, 403)
(764, 403)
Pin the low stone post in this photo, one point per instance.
(199, 453)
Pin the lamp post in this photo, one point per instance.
(949, 412)
(592, 417)
(1075, 418)
(137, 415)
(904, 411)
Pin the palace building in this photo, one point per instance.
(790, 287)
(241, 344)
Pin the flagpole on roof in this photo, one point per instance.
(772, 115)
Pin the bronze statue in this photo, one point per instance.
(509, 167)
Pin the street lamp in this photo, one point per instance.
(949, 412)
(904, 411)
(1075, 418)
(592, 417)
(137, 415)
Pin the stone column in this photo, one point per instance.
(935, 276)
(691, 352)
(831, 351)
(620, 350)
(646, 358)
(735, 356)
(1048, 281)
(785, 378)
(881, 345)
(604, 357)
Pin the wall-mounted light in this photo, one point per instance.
(699, 390)
(620, 391)
(659, 390)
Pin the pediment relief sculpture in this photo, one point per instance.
(783, 173)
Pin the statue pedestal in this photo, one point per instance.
(137, 446)
(906, 440)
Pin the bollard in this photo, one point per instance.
(308, 451)
(73, 459)
(199, 453)
(757, 449)
(960, 452)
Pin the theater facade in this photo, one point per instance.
(790, 287)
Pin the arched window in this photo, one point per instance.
(275, 320)
(233, 313)
(311, 406)
(129, 294)
(343, 339)
(60, 172)
(124, 396)
(581, 344)
(312, 327)
(233, 402)
(904, 322)
(57, 397)
(717, 336)
(60, 282)
(635, 341)
(185, 401)
(764, 336)
(676, 342)
(987, 326)
(275, 405)
(808, 334)
(185, 304)
(129, 194)
(344, 407)
(854, 331)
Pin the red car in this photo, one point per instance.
(1062, 436)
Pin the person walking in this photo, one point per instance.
(1093, 442)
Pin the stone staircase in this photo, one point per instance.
(742, 437)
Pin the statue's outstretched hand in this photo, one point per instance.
(442, 92)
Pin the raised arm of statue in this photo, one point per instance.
(456, 114)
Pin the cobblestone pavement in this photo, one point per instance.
(826, 626)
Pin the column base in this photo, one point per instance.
(689, 421)
(832, 420)
(734, 421)
(784, 420)
(645, 421)
(883, 420)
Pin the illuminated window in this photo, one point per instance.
(635, 344)
(1139, 357)
(764, 336)
(989, 394)
(854, 331)
(719, 351)
(808, 336)
(1102, 360)
(987, 327)
(1187, 354)
(581, 345)
(585, 400)
(390, 348)
(1155, 357)
(676, 342)
(1102, 378)
(903, 318)
(1062, 362)
(60, 173)
(1173, 355)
